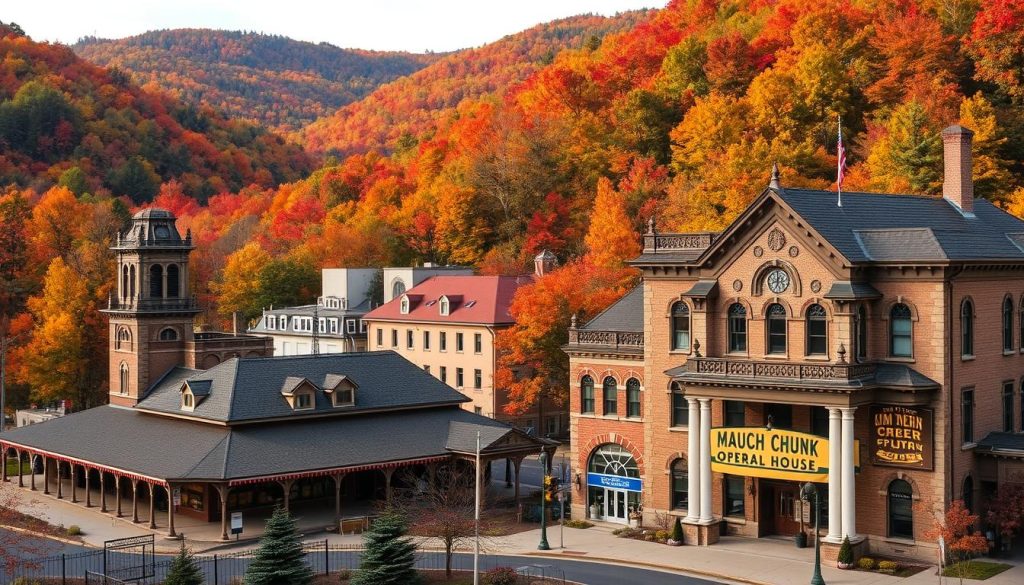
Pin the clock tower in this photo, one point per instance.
(151, 315)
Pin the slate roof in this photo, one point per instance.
(873, 227)
(177, 449)
(483, 300)
(1000, 443)
(626, 314)
(249, 389)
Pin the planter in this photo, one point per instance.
(800, 539)
(844, 565)
(671, 542)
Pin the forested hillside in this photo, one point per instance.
(399, 114)
(273, 80)
(679, 118)
(64, 120)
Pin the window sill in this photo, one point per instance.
(735, 520)
(968, 446)
(1009, 352)
(817, 358)
(967, 358)
(900, 540)
(737, 354)
(776, 356)
(899, 359)
(634, 419)
(687, 351)
(679, 429)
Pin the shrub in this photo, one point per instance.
(649, 537)
(677, 531)
(344, 575)
(626, 532)
(845, 552)
(661, 535)
(74, 530)
(500, 576)
(866, 563)
(578, 524)
(888, 566)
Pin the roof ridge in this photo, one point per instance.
(226, 438)
(234, 382)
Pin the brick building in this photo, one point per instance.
(872, 345)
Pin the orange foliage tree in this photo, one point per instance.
(957, 531)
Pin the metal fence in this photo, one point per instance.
(219, 569)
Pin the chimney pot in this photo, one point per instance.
(957, 184)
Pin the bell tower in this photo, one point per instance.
(151, 314)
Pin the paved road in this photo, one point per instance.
(228, 566)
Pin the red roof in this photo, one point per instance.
(471, 299)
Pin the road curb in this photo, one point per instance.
(644, 565)
(46, 536)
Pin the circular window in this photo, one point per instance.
(778, 280)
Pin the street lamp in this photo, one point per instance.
(808, 490)
(543, 495)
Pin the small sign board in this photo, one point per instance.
(236, 523)
(618, 482)
(176, 496)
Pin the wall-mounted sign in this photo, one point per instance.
(617, 482)
(771, 454)
(902, 436)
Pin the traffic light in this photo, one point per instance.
(550, 488)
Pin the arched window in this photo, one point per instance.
(397, 289)
(124, 282)
(445, 307)
(124, 339)
(901, 330)
(967, 495)
(131, 282)
(587, 394)
(173, 281)
(187, 400)
(633, 397)
(403, 305)
(967, 328)
(680, 327)
(156, 281)
(862, 333)
(169, 334)
(901, 509)
(817, 330)
(776, 317)
(680, 485)
(610, 392)
(737, 327)
(1007, 324)
(124, 379)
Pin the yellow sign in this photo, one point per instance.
(772, 454)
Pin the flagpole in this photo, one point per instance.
(840, 155)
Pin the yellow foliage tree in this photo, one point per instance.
(610, 239)
(992, 178)
(240, 282)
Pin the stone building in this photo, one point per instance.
(872, 345)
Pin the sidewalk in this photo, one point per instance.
(756, 561)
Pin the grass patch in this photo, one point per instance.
(979, 570)
(12, 468)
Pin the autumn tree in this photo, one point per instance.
(994, 43)
(957, 530)
(239, 285)
(908, 156)
(991, 172)
(531, 363)
(610, 239)
(15, 283)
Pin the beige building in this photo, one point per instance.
(447, 326)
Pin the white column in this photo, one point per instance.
(835, 489)
(693, 461)
(849, 495)
(705, 460)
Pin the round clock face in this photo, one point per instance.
(778, 281)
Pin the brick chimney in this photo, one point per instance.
(957, 184)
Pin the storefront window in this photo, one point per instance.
(613, 500)
(734, 495)
(901, 509)
(680, 485)
(193, 496)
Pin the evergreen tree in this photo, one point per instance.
(184, 570)
(388, 558)
(279, 559)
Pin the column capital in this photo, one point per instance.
(705, 402)
(834, 411)
(848, 411)
(692, 400)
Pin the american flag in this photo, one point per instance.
(840, 164)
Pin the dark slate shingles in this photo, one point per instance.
(626, 314)
(249, 389)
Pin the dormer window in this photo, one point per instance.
(193, 392)
(445, 307)
(271, 322)
(299, 392)
(403, 306)
(188, 401)
(304, 401)
(341, 388)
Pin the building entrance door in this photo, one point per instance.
(615, 506)
(780, 508)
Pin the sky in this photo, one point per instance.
(401, 25)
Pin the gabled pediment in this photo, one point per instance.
(293, 385)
